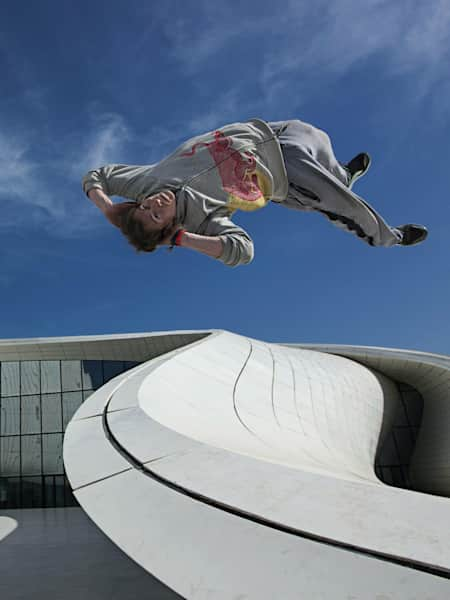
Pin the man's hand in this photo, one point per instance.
(113, 212)
(166, 240)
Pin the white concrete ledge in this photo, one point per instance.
(430, 375)
(233, 443)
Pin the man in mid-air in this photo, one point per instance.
(187, 199)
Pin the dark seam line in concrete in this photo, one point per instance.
(90, 417)
(272, 389)
(410, 564)
(147, 462)
(294, 383)
(234, 390)
(115, 410)
(85, 485)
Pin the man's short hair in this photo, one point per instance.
(133, 230)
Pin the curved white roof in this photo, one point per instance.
(233, 468)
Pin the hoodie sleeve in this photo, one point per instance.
(117, 180)
(237, 244)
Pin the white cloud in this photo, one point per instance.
(221, 112)
(407, 38)
(303, 46)
(22, 182)
(106, 136)
(17, 170)
(46, 192)
(197, 35)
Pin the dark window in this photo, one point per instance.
(37, 401)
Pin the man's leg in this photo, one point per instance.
(317, 181)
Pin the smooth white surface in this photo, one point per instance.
(376, 517)
(283, 434)
(7, 526)
(131, 430)
(236, 409)
(207, 554)
(89, 454)
(430, 375)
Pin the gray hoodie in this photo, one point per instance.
(239, 166)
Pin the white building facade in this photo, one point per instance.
(218, 466)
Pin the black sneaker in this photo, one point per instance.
(412, 234)
(357, 167)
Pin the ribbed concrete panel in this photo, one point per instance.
(197, 395)
(339, 404)
(133, 347)
(229, 467)
(277, 437)
(430, 375)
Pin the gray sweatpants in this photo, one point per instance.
(318, 182)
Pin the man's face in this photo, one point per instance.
(158, 211)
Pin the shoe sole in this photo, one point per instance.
(359, 174)
(420, 239)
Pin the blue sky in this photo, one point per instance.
(90, 83)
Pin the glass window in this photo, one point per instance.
(50, 376)
(130, 364)
(10, 496)
(9, 456)
(37, 401)
(51, 413)
(388, 452)
(397, 477)
(387, 475)
(30, 378)
(111, 368)
(69, 498)
(59, 490)
(405, 444)
(10, 416)
(92, 374)
(31, 446)
(3, 492)
(10, 379)
(49, 491)
(31, 414)
(71, 402)
(52, 448)
(413, 402)
(32, 492)
(71, 375)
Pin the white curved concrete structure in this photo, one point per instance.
(7, 526)
(232, 468)
(430, 375)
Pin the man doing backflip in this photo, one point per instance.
(187, 199)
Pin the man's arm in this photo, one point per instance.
(127, 181)
(209, 245)
(102, 201)
(223, 240)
